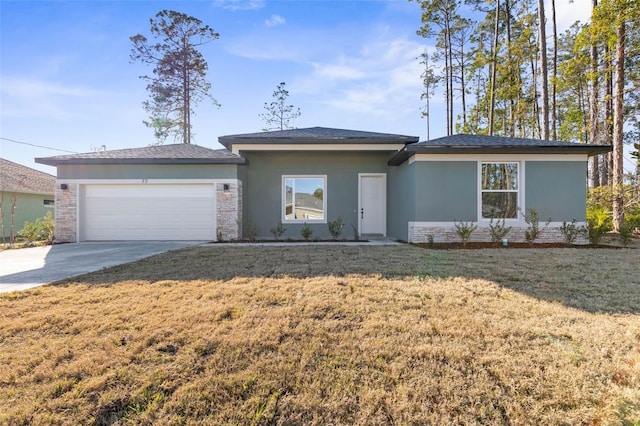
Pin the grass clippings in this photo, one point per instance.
(330, 335)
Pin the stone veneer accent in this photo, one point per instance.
(229, 210)
(66, 212)
(419, 232)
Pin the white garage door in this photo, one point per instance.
(149, 212)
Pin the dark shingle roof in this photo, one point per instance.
(482, 144)
(315, 135)
(159, 154)
(15, 177)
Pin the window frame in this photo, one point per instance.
(283, 201)
(519, 192)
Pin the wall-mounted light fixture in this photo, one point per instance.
(225, 186)
(64, 186)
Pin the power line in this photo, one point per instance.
(37, 146)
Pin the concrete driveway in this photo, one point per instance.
(21, 269)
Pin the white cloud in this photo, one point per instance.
(567, 13)
(239, 4)
(381, 79)
(340, 71)
(22, 96)
(274, 21)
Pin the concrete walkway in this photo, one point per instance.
(21, 269)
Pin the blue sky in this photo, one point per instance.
(66, 81)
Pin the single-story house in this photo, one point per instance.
(32, 191)
(379, 184)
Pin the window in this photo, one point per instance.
(49, 203)
(304, 198)
(499, 188)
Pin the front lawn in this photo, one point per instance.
(330, 335)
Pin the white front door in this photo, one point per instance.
(372, 204)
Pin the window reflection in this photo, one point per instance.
(304, 198)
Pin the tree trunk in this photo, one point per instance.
(607, 129)
(594, 172)
(618, 121)
(507, 12)
(543, 70)
(494, 65)
(554, 85)
(450, 53)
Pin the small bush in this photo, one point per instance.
(306, 231)
(572, 231)
(42, 229)
(356, 235)
(632, 219)
(249, 230)
(600, 217)
(430, 241)
(595, 232)
(277, 230)
(625, 233)
(464, 231)
(335, 227)
(498, 230)
(532, 233)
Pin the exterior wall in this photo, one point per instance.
(28, 208)
(148, 171)
(555, 189)
(401, 200)
(66, 213)
(263, 186)
(446, 191)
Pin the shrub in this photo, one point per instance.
(632, 219)
(571, 231)
(625, 234)
(42, 229)
(306, 231)
(498, 230)
(595, 231)
(249, 230)
(335, 227)
(464, 231)
(277, 230)
(600, 217)
(533, 231)
(356, 236)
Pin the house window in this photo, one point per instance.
(499, 190)
(49, 203)
(304, 198)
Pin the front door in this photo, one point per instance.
(372, 205)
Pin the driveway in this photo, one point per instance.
(21, 269)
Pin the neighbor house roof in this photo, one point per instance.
(157, 154)
(15, 177)
(482, 144)
(315, 135)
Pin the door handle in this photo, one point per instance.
(362, 213)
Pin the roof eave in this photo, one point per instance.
(91, 161)
(228, 141)
(578, 149)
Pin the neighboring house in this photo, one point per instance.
(32, 191)
(380, 184)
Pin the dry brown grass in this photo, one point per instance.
(330, 335)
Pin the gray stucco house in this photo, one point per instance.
(380, 184)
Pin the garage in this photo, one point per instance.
(148, 212)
